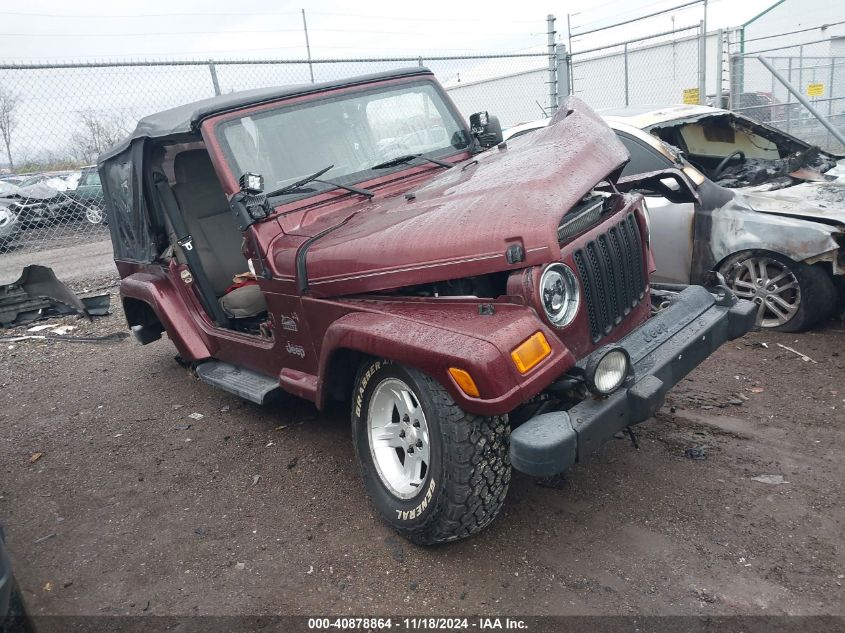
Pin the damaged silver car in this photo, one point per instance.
(728, 194)
(763, 208)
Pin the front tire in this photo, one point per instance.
(790, 296)
(433, 472)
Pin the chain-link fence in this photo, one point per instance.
(56, 119)
(659, 69)
(759, 94)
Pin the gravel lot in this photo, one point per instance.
(136, 508)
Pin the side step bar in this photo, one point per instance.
(245, 383)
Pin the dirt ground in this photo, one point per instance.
(76, 257)
(136, 508)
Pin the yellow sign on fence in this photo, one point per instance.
(815, 90)
(691, 96)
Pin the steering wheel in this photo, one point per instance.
(724, 163)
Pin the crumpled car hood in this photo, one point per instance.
(823, 201)
(462, 222)
(38, 191)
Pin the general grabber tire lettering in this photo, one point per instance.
(433, 472)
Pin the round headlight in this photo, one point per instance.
(559, 294)
(606, 372)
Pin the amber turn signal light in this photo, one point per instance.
(464, 381)
(530, 352)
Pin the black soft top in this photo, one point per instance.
(186, 118)
(138, 228)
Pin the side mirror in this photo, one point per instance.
(486, 128)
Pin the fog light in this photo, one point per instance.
(605, 372)
(530, 352)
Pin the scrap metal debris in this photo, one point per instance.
(106, 338)
(38, 294)
(696, 452)
(770, 479)
(803, 356)
(44, 538)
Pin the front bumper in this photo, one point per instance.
(663, 350)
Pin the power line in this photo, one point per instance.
(241, 31)
(616, 14)
(140, 15)
(371, 16)
(813, 28)
(254, 13)
(202, 56)
(642, 17)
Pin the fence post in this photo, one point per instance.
(789, 97)
(563, 71)
(625, 59)
(214, 82)
(553, 92)
(720, 53)
(737, 63)
(702, 64)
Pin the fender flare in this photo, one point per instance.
(401, 340)
(170, 309)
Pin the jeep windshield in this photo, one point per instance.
(356, 133)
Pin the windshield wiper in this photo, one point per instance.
(315, 177)
(401, 160)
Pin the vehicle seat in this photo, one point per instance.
(215, 233)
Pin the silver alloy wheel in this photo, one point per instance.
(94, 215)
(398, 437)
(771, 285)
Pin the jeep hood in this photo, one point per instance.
(462, 222)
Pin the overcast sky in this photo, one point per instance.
(57, 30)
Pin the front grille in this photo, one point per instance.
(587, 213)
(613, 275)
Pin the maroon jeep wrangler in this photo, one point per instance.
(478, 305)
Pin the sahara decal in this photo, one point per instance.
(289, 323)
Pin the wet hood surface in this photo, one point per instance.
(824, 201)
(462, 221)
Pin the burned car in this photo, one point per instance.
(764, 208)
(773, 222)
(474, 309)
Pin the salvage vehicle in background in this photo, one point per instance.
(764, 208)
(9, 227)
(35, 204)
(89, 194)
(773, 222)
(447, 295)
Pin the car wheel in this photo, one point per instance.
(433, 472)
(790, 296)
(95, 215)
